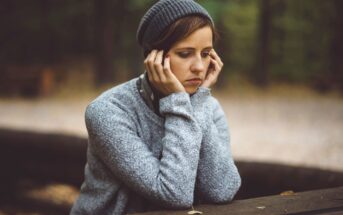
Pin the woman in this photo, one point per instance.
(161, 141)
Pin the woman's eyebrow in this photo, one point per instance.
(209, 47)
(191, 48)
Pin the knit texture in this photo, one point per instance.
(162, 14)
(138, 161)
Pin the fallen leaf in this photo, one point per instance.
(261, 207)
(194, 212)
(288, 193)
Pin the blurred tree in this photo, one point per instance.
(261, 74)
(239, 36)
(278, 37)
(133, 54)
(336, 49)
(118, 56)
(48, 46)
(299, 51)
(264, 41)
(104, 41)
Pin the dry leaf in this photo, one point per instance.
(194, 212)
(261, 207)
(287, 193)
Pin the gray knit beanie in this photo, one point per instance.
(162, 14)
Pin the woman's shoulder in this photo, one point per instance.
(122, 96)
(124, 92)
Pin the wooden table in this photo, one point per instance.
(326, 201)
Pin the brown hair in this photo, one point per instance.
(179, 30)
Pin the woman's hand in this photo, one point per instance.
(213, 71)
(161, 76)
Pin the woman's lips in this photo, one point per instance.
(194, 81)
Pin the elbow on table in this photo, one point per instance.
(227, 193)
(179, 201)
(183, 203)
(231, 190)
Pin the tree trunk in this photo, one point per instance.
(109, 23)
(260, 76)
(48, 46)
(337, 46)
(278, 11)
(104, 41)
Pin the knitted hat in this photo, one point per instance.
(162, 14)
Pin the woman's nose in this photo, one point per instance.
(198, 65)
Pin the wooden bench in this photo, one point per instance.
(43, 158)
(325, 201)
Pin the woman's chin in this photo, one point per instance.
(191, 90)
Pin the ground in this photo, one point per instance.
(297, 126)
(293, 126)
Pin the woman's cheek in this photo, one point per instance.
(175, 65)
(172, 67)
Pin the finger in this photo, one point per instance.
(158, 65)
(214, 54)
(217, 67)
(216, 62)
(171, 79)
(210, 76)
(150, 64)
(166, 68)
(147, 67)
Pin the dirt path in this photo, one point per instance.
(300, 131)
(292, 130)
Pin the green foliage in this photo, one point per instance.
(213, 7)
(239, 20)
(299, 46)
(300, 42)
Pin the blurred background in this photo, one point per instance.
(281, 89)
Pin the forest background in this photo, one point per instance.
(263, 42)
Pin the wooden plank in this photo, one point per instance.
(42, 157)
(326, 201)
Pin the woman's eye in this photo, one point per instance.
(184, 54)
(205, 54)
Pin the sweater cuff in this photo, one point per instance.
(176, 103)
(201, 106)
(200, 96)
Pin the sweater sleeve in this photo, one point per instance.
(170, 180)
(218, 179)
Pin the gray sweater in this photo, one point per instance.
(139, 161)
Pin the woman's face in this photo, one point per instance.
(189, 58)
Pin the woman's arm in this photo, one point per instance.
(218, 179)
(170, 180)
